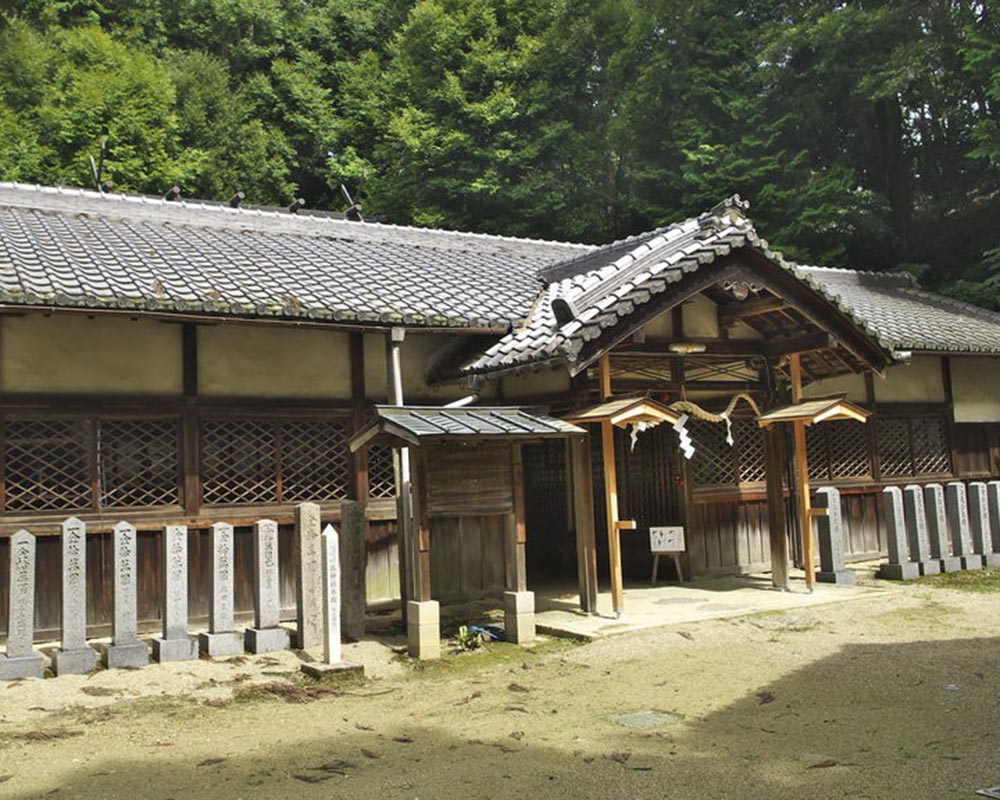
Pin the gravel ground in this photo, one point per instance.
(891, 696)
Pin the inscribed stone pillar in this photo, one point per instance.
(125, 650)
(992, 542)
(353, 561)
(175, 645)
(979, 521)
(937, 528)
(830, 531)
(916, 528)
(221, 639)
(266, 636)
(957, 504)
(21, 661)
(899, 568)
(75, 656)
(310, 574)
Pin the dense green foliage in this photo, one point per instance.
(865, 133)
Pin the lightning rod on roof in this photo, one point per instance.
(296, 204)
(173, 193)
(236, 199)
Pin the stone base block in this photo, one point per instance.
(972, 563)
(423, 629)
(906, 571)
(991, 560)
(519, 602)
(844, 577)
(74, 662)
(520, 628)
(951, 564)
(12, 669)
(930, 567)
(117, 656)
(341, 671)
(185, 649)
(267, 640)
(221, 644)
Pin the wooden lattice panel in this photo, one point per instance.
(239, 461)
(381, 475)
(46, 465)
(749, 442)
(894, 447)
(838, 449)
(931, 451)
(314, 460)
(138, 462)
(713, 462)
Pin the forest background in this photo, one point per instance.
(866, 134)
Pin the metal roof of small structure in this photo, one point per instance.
(420, 425)
(822, 409)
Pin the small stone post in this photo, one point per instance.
(310, 574)
(353, 560)
(175, 645)
(266, 635)
(900, 567)
(992, 551)
(937, 524)
(979, 521)
(75, 656)
(957, 504)
(221, 638)
(20, 660)
(830, 530)
(333, 651)
(125, 650)
(916, 527)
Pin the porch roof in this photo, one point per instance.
(421, 425)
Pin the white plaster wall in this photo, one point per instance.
(375, 366)
(975, 386)
(661, 327)
(701, 318)
(416, 354)
(920, 381)
(77, 354)
(249, 361)
(851, 385)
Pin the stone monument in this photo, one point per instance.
(830, 531)
(937, 528)
(75, 656)
(221, 638)
(175, 644)
(266, 635)
(310, 573)
(957, 504)
(991, 555)
(900, 567)
(916, 528)
(20, 660)
(126, 649)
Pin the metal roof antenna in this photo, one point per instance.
(296, 204)
(236, 199)
(97, 170)
(173, 193)
(353, 212)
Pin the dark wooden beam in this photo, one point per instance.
(359, 459)
(735, 348)
(582, 485)
(190, 453)
(516, 533)
(731, 313)
(422, 526)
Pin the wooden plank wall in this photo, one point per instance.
(467, 556)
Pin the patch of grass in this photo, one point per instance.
(985, 581)
(496, 654)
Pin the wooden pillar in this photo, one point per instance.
(802, 475)
(421, 525)
(189, 419)
(516, 533)
(401, 468)
(774, 458)
(582, 482)
(611, 491)
(359, 459)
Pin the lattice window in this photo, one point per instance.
(749, 443)
(47, 465)
(838, 449)
(381, 475)
(931, 452)
(913, 446)
(713, 462)
(314, 461)
(239, 461)
(894, 447)
(138, 462)
(273, 461)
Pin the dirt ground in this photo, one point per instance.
(895, 695)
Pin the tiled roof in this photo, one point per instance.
(907, 316)
(600, 288)
(74, 248)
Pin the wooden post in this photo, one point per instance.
(516, 534)
(611, 491)
(582, 483)
(421, 526)
(774, 457)
(802, 475)
(359, 460)
(401, 470)
(189, 419)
